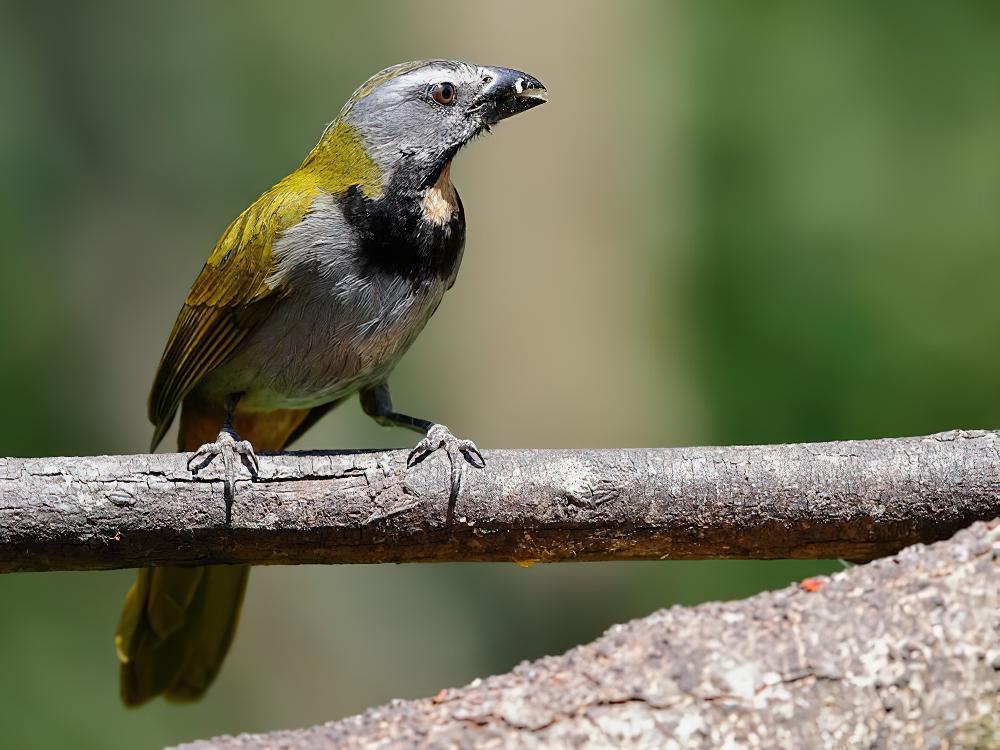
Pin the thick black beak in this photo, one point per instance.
(508, 92)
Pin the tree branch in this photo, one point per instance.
(903, 652)
(854, 500)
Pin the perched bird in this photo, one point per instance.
(312, 294)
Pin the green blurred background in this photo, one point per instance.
(733, 222)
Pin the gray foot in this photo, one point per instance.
(229, 445)
(439, 436)
(459, 452)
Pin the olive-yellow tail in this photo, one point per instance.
(178, 622)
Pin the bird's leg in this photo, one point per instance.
(377, 404)
(228, 444)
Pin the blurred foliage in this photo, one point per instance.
(849, 185)
(734, 222)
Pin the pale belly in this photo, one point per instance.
(317, 347)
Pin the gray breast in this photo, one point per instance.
(338, 328)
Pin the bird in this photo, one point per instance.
(311, 295)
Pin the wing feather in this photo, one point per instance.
(230, 297)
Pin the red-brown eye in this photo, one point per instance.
(444, 93)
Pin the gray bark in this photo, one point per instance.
(901, 653)
(854, 500)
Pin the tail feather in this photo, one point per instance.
(213, 622)
(158, 656)
(178, 622)
(170, 598)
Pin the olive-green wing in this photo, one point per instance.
(229, 298)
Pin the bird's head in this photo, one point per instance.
(413, 118)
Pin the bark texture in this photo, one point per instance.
(854, 500)
(901, 653)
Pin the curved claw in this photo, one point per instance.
(469, 450)
(245, 449)
(206, 454)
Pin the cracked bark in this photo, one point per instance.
(903, 652)
(855, 500)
